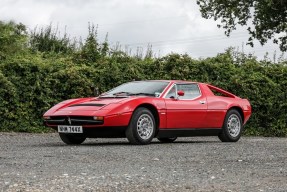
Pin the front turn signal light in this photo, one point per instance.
(98, 118)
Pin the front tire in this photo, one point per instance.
(232, 127)
(71, 139)
(141, 129)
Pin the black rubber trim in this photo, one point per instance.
(188, 132)
(119, 132)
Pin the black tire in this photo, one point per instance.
(230, 132)
(72, 139)
(135, 132)
(167, 140)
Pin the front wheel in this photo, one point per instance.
(232, 127)
(71, 139)
(141, 129)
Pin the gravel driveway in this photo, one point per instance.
(41, 162)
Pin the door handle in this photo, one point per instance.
(202, 102)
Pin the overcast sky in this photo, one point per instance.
(169, 25)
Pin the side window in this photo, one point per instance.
(171, 93)
(191, 91)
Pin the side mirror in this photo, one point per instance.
(180, 93)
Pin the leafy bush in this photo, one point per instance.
(33, 81)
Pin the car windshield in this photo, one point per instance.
(148, 88)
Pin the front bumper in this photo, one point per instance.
(116, 120)
(72, 120)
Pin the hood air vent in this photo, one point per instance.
(88, 104)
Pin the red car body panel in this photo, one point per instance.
(186, 113)
(204, 112)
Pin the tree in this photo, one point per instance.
(269, 18)
(92, 50)
(13, 38)
(47, 39)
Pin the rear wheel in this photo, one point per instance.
(232, 127)
(141, 129)
(72, 139)
(167, 140)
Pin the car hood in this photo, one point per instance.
(91, 104)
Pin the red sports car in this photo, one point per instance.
(142, 110)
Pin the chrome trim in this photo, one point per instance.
(55, 121)
(82, 120)
(162, 96)
(190, 99)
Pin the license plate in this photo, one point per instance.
(70, 129)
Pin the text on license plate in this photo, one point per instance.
(70, 129)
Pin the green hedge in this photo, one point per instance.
(32, 84)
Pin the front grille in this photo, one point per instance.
(73, 120)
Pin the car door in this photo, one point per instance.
(188, 110)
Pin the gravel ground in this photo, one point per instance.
(41, 162)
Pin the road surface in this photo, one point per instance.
(42, 162)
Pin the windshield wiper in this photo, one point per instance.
(147, 94)
(114, 95)
(122, 92)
